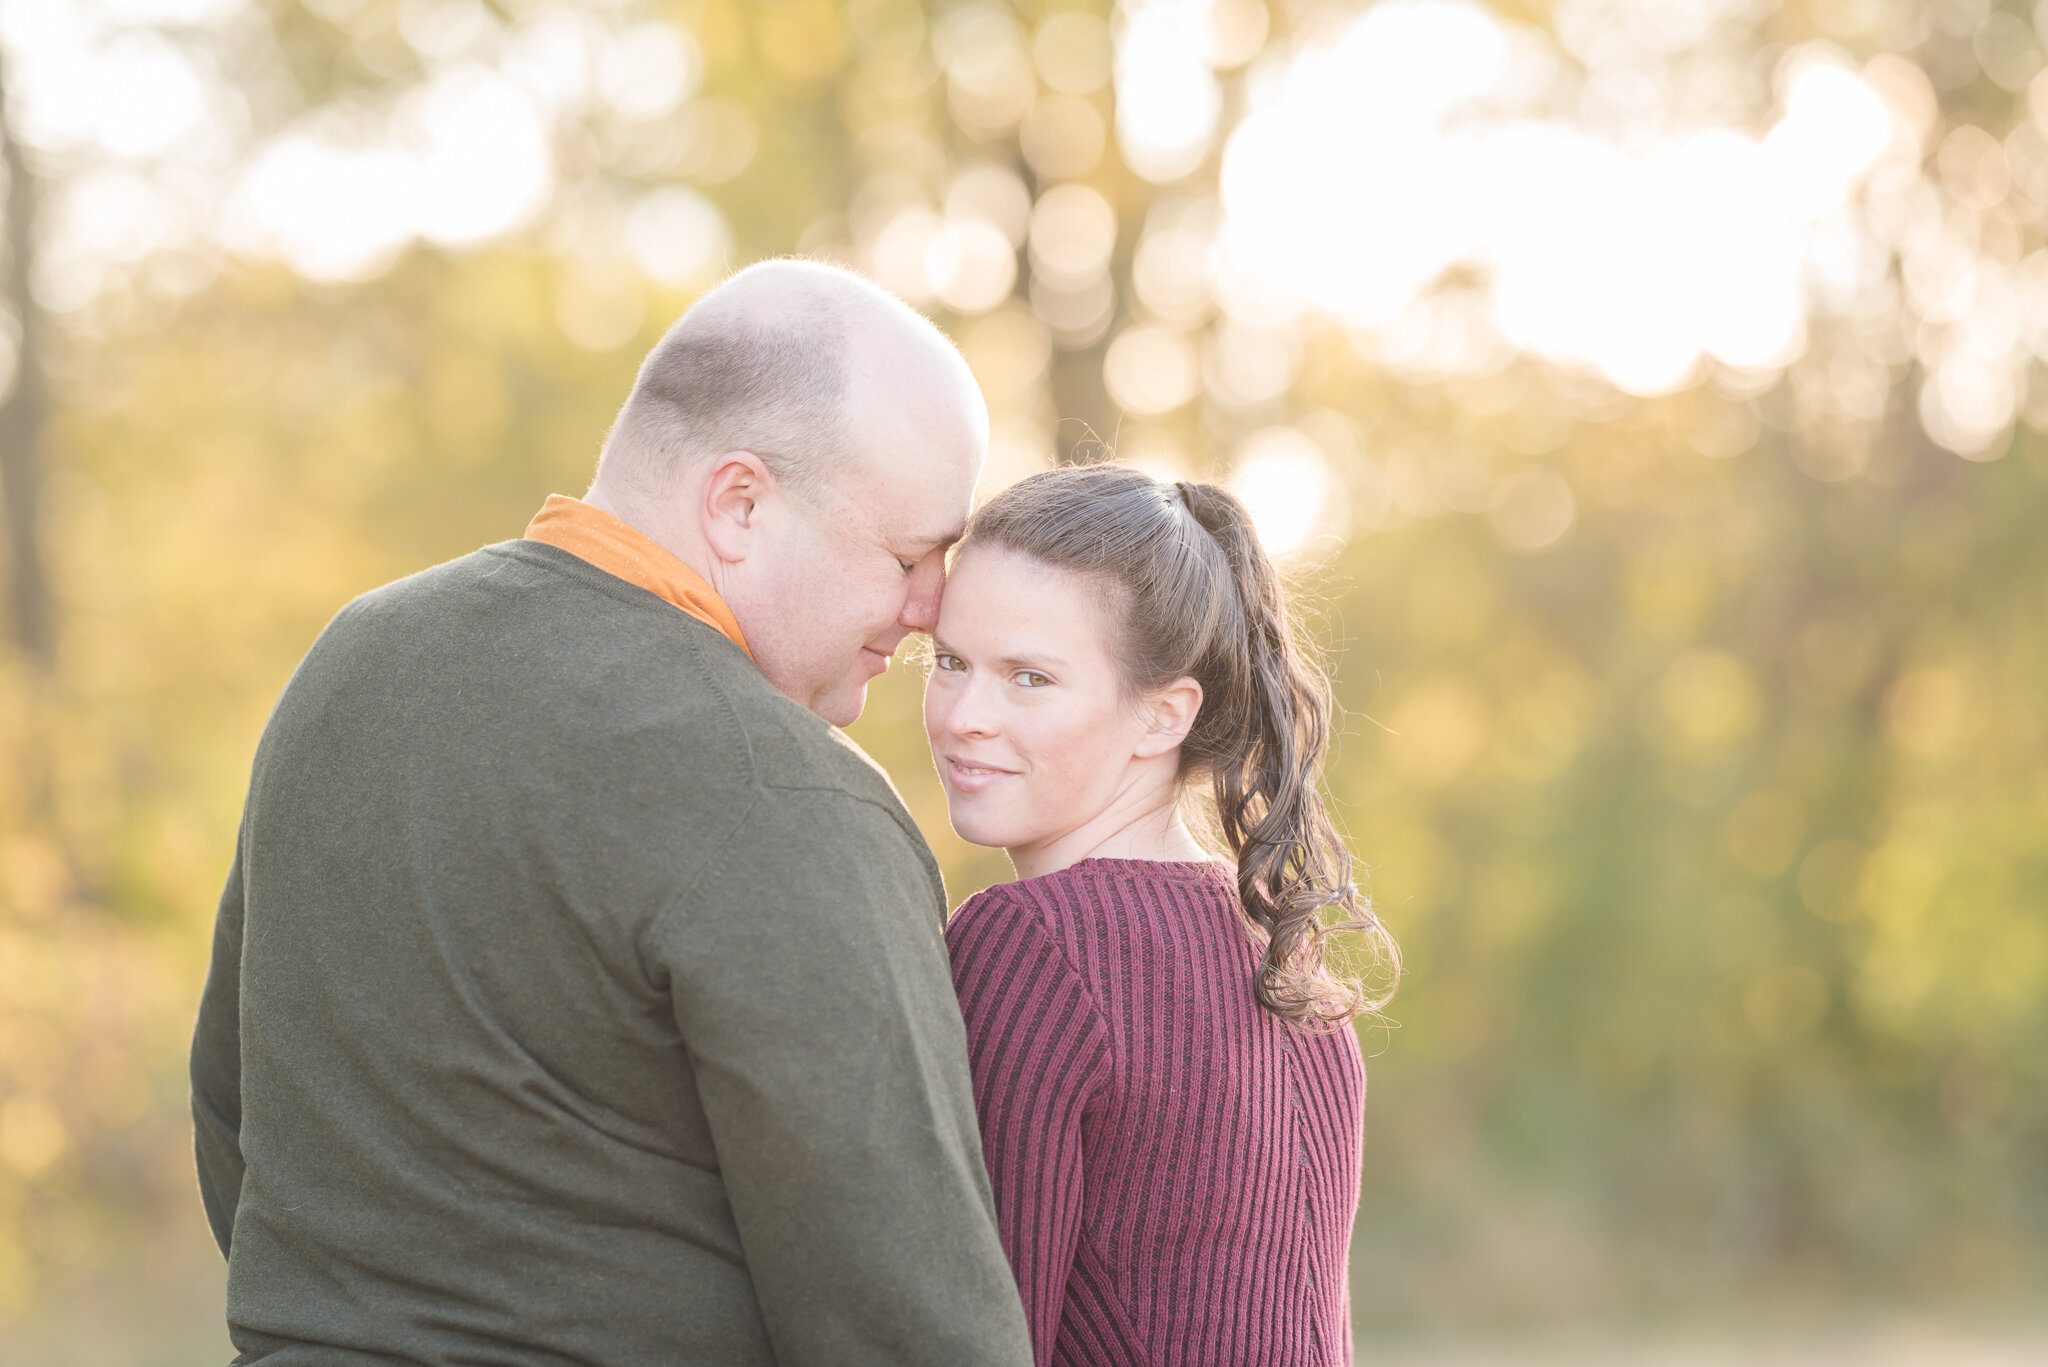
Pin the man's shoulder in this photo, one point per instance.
(800, 760)
(470, 586)
(517, 567)
(808, 776)
(521, 594)
(794, 749)
(648, 671)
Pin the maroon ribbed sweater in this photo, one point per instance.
(1175, 1170)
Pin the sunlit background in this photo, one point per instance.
(1648, 396)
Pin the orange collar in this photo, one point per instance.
(627, 553)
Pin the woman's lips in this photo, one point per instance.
(973, 778)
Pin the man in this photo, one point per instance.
(578, 992)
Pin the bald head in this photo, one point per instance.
(809, 445)
(780, 360)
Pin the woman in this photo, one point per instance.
(1170, 1101)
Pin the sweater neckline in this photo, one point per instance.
(1190, 870)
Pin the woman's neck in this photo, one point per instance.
(1148, 829)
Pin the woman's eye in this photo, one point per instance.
(949, 663)
(1031, 678)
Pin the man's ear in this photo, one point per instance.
(1170, 714)
(729, 514)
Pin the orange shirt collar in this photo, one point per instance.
(626, 552)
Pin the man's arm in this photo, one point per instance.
(217, 1067)
(810, 981)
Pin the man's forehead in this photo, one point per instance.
(910, 494)
(923, 416)
(901, 512)
(924, 532)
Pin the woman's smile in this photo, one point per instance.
(968, 776)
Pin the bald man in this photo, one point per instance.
(578, 992)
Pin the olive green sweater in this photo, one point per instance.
(578, 998)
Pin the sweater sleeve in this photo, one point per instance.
(217, 1067)
(1040, 1054)
(808, 977)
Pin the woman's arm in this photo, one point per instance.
(1040, 1055)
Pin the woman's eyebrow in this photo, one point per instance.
(1046, 662)
(1049, 663)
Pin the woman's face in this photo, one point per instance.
(1030, 726)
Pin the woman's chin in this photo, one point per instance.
(976, 828)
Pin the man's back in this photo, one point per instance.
(592, 1006)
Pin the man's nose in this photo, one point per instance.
(927, 584)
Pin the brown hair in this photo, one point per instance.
(1195, 596)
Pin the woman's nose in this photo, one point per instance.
(967, 712)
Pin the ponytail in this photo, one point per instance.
(1200, 598)
(1264, 759)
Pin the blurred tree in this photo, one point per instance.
(21, 411)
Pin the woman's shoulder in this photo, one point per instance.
(1012, 952)
(1090, 906)
(1044, 909)
(1003, 910)
(1097, 880)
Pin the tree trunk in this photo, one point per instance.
(22, 412)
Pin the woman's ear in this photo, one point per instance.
(733, 490)
(1170, 714)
